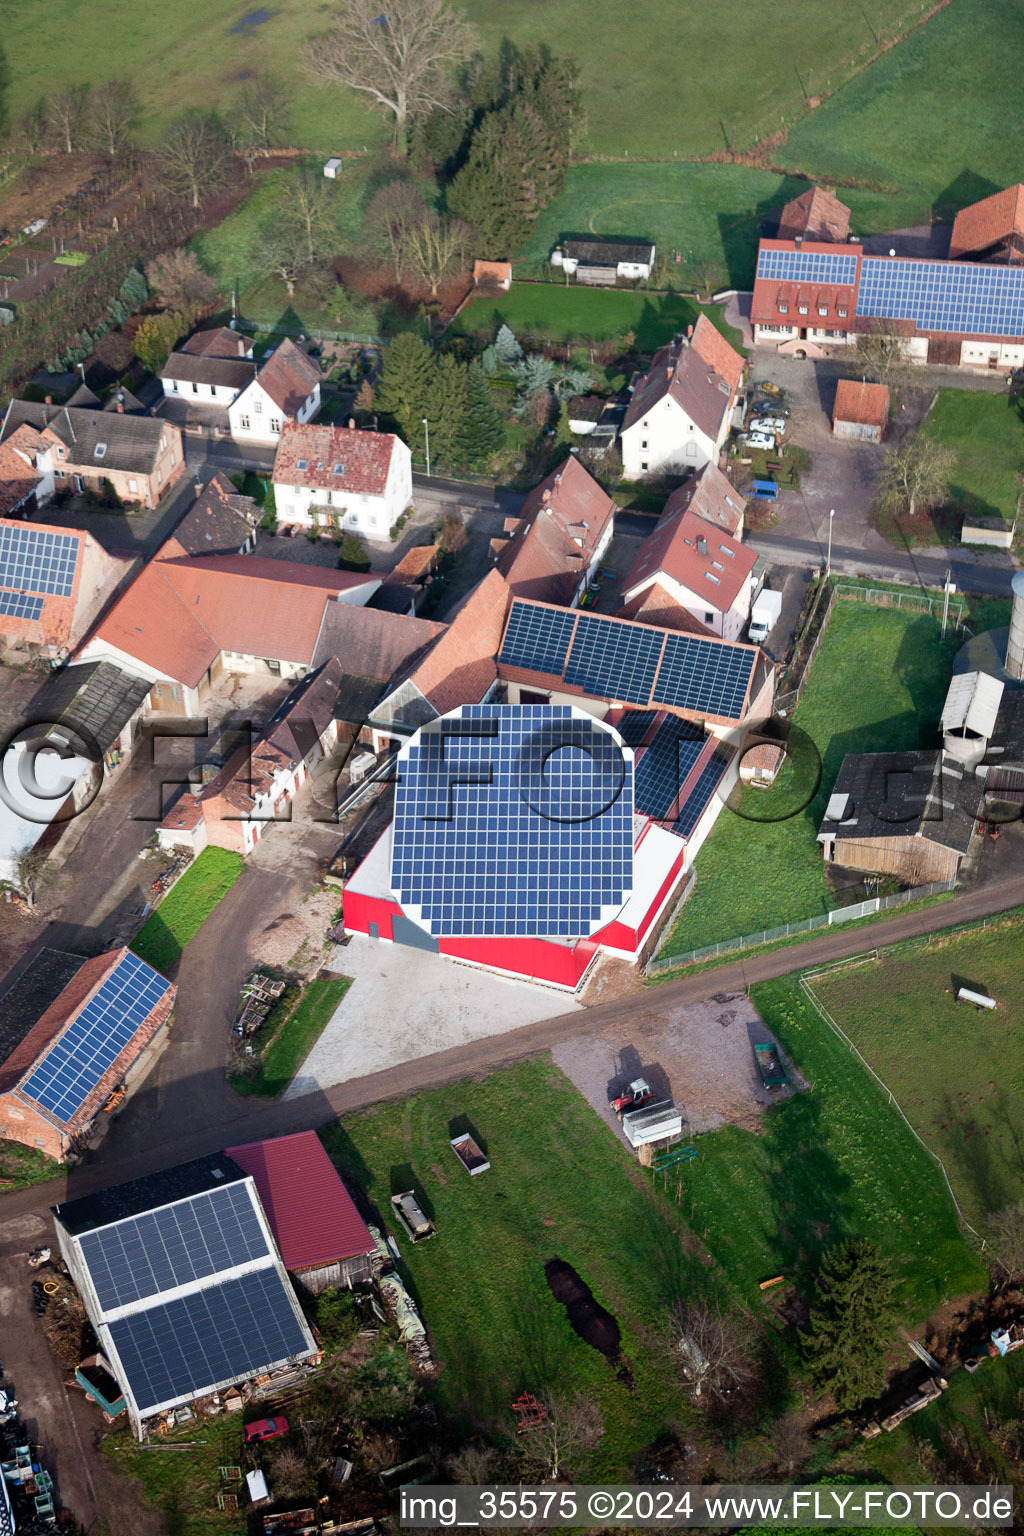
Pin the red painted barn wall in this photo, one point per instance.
(536, 958)
(359, 911)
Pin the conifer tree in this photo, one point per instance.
(852, 1322)
(447, 407)
(482, 432)
(406, 386)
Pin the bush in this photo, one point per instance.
(352, 554)
(335, 1318)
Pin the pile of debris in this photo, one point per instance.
(258, 996)
(27, 1501)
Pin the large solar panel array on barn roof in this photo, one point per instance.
(699, 798)
(962, 297)
(832, 267)
(637, 663)
(91, 1044)
(35, 560)
(513, 820)
(163, 1249)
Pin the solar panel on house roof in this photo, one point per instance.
(537, 638)
(699, 798)
(162, 1249)
(807, 267)
(80, 1056)
(186, 1346)
(613, 660)
(634, 725)
(708, 677)
(663, 767)
(32, 560)
(955, 296)
(20, 605)
(513, 820)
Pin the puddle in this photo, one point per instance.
(252, 19)
(594, 1325)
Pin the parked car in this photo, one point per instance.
(769, 424)
(764, 440)
(769, 408)
(265, 1429)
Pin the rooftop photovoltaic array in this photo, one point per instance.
(636, 663)
(191, 1344)
(164, 1249)
(91, 1044)
(20, 605)
(663, 767)
(699, 798)
(634, 725)
(513, 820)
(808, 267)
(954, 296)
(35, 561)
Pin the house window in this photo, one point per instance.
(174, 386)
(783, 309)
(257, 406)
(195, 389)
(643, 464)
(709, 618)
(303, 464)
(801, 309)
(213, 391)
(243, 423)
(644, 443)
(133, 486)
(353, 518)
(100, 451)
(822, 311)
(275, 424)
(691, 449)
(60, 451)
(159, 477)
(841, 313)
(330, 498)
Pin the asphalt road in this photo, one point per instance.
(989, 577)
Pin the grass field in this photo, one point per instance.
(294, 1038)
(183, 1484)
(21, 1166)
(186, 907)
(881, 128)
(958, 1073)
(197, 53)
(558, 1185)
(986, 435)
(574, 313)
(878, 683)
(828, 1163)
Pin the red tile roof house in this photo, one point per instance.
(711, 495)
(861, 410)
(77, 449)
(560, 539)
(493, 276)
(53, 622)
(992, 230)
(321, 1237)
(258, 785)
(335, 477)
(185, 625)
(38, 1014)
(706, 572)
(222, 341)
(286, 389)
(681, 410)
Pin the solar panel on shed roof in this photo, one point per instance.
(187, 1346)
(162, 1249)
(944, 296)
(699, 798)
(613, 660)
(709, 677)
(537, 638)
(91, 1044)
(663, 767)
(807, 267)
(20, 605)
(32, 560)
(527, 830)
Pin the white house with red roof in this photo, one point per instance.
(286, 389)
(703, 569)
(681, 410)
(336, 477)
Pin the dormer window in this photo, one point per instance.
(339, 469)
(303, 464)
(841, 313)
(821, 311)
(783, 309)
(100, 451)
(801, 309)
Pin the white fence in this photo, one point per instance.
(849, 914)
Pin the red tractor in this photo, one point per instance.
(636, 1096)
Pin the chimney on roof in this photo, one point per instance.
(351, 423)
(702, 545)
(689, 333)
(152, 410)
(120, 406)
(558, 478)
(49, 399)
(546, 494)
(198, 485)
(798, 241)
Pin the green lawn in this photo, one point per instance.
(21, 1166)
(559, 1185)
(957, 1072)
(183, 1484)
(961, 70)
(197, 53)
(986, 435)
(828, 1163)
(293, 1037)
(186, 907)
(560, 313)
(878, 683)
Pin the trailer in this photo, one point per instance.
(414, 1220)
(469, 1154)
(769, 1064)
(656, 1122)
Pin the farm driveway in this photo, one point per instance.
(700, 1056)
(404, 1004)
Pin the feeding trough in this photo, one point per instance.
(469, 1154)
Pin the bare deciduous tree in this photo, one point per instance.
(113, 116)
(262, 110)
(194, 155)
(393, 212)
(401, 57)
(791, 1444)
(32, 127)
(572, 1425)
(1005, 1230)
(710, 1348)
(66, 114)
(310, 209)
(914, 476)
(179, 282)
(881, 355)
(282, 252)
(434, 247)
(33, 870)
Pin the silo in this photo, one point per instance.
(1015, 642)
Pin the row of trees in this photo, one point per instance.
(418, 384)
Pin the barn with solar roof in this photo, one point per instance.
(182, 1281)
(53, 583)
(72, 1033)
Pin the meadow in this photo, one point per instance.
(291, 1035)
(186, 907)
(986, 437)
(659, 81)
(560, 313)
(958, 1073)
(877, 684)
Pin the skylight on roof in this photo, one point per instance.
(339, 469)
(730, 552)
(708, 576)
(303, 464)
(99, 451)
